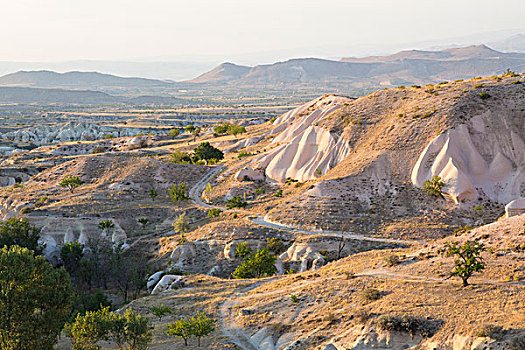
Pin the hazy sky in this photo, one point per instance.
(50, 30)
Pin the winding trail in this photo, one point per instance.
(196, 192)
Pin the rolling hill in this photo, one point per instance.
(77, 80)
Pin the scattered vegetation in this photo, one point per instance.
(214, 212)
(408, 324)
(484, 95)
(371, 294)
(160, 311)
(236, 202)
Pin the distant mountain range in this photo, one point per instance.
(27, 95)
(405, 67)
(77, 80)
(348, 75)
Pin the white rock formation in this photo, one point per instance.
(305, 255)
(456, 157)
(304, 151)
(515, 207)
(168, 282)
(70, 131)
(247, 173)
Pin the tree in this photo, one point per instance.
(71, 182)
(71, 253)
(128, 272)
(160, 311)
(202, 326)
(178, 192)
(199, 326)
(260, 264)
(181, 328)
(128, 329)
(468, 259)
(173, 133)
(35, 300)
(194, 130)
(88, 329)
(237, 129)
(433, 186)
(143, 222)
(180, 224)
(18, 231)
(206, 152)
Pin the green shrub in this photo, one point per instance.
(244, 154)
(490, 331)
(408, 324)
(160, 311)
(179, 157)
(236, 202)
(274, 245)
(434, 186)
(295, 299)
(70, 182)
(153, 193)
(279, 193)
(178, 192)
(257, 265)
(259, 191)
(371, 294)
(484, 95)
(391, 260)
(214, 212)
(173, 133)
(99, 149)
(180, 224)
(242, 250)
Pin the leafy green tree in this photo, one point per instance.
(202, 326)
(35, 300)
(434, 186)
(194, 130)
(90, 302)
(88, 329)
(260, 264)
(178, 192)
(242, 250)
(71, 253)
(206, 152)
(18, 231)
(235, 202)
(181, 328)
(130, 330)
(128, 272)
(468, 258)
(274, 245)
(173, 133)
(180, 224)
(71, 182)
(160, 311)
(106, 225)
(237, 129)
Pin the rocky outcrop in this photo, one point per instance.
(516, 207)
(72, 131)
(456, 156)
(303, 150)
(168, 282)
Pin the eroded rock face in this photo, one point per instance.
(70, 131)
(57, 231)
(516, 207)
(456, 156)
(168, 282)
(303, 150)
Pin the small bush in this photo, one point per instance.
(490, 331)
(244, 154)
(242, 250)
(434, 186)
(484, 95)
(178, 192)
(98, 149)
(279, 193)
(214, 212)
(295, 299)
(274, 245)
(236, 202)
(391, 260)
(371, 294)
(407, 324)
